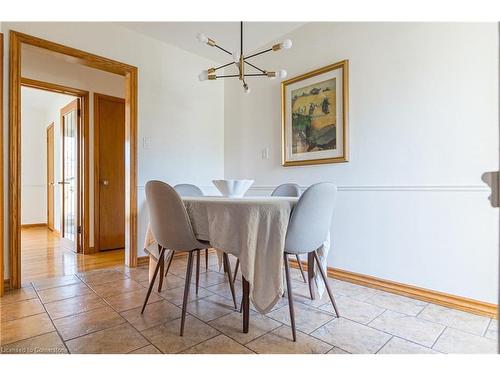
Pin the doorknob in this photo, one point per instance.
(105, 182)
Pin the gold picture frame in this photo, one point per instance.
(308, 117)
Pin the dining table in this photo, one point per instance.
(253, 229)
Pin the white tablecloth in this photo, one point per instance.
(254, 230)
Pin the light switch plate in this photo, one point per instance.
(146, 143)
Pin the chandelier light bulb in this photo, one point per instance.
(281, 73)
(202, 38)
(203, 76)
(286, 44)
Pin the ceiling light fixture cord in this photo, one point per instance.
(240, 61)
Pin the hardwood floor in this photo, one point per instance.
(43, 256)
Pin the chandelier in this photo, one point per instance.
(240, 60)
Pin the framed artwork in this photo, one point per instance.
(314, 117)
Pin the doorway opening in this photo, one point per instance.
(52, 180)
(75, 219)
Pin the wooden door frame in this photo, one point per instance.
(97, 62)
(97, 186)
(80, 187)
(1, 170)
(50, 126)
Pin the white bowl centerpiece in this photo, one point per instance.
(233, 188)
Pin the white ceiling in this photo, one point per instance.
(226, 34)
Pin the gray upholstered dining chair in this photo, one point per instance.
(309, 225)
(172, 230)
(283, 190)
(286, 190)
(186, 190)
(290, 190)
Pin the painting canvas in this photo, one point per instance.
(314, 118)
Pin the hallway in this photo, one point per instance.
(43, 256)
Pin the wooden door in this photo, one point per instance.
(70, 151)
(50, 177)
(109, 156)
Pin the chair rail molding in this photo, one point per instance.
(458, 188)
(432, 188)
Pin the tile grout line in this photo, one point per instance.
(390, 338)
(258, 337)
(371, 321)
(406, 339)
(438, 337)
(65, 298)
(51, 321)
(458, 329)
(24, 316)
(281, 324)
(142, 347)
(126, 321)
(31, 337)
(212, 320)
(314, 308)
(487, 328)
(162, 298)
(376, 329)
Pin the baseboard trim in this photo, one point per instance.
(143, 261)
(422, 294)
(6, 285)
(34, 225)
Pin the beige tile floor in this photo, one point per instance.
(99, 312)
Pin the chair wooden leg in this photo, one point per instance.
(290, 297)
(197, 270)
(206, 259)
(236, 269)
(245, 305)
(229, 276)
(310, 275)
(189, 272)
(300, 267)
(170, 262)
(162, 270)
(162, 253)
(325, 280)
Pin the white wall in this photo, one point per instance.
(182, 121)
(34, 161)
(423, 127)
